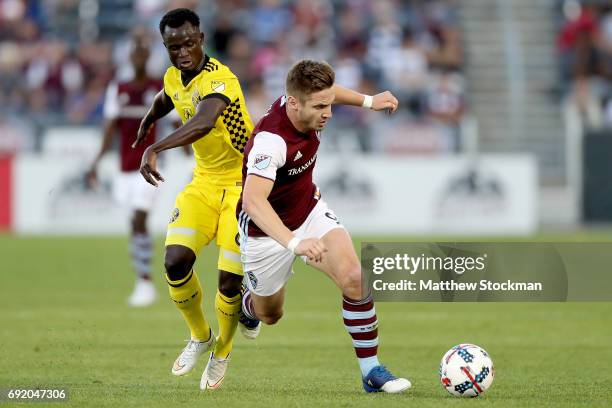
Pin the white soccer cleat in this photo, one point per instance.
(188, 358)
(380, 379)
(214, 373)
(250, 333)
(395, 386)
(144, 294)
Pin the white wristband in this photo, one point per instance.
(293, 243)
(367, 101)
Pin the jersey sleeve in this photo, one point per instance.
(111, 102)
(268, 154)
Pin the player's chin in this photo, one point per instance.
(185, 66)
(320, 125)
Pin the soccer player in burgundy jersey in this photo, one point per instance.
(281, 214)
(125, 105)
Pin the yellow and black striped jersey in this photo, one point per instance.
(218, 154)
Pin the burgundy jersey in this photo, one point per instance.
(128, 102)
(279, 152)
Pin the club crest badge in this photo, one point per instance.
(196, 98)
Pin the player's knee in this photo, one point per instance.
(271, 317)
(351, 280)
(178, 263)
(176, 269)
(230, 284)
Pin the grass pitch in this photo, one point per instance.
(65, 323)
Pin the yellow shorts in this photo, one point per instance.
(203, 211)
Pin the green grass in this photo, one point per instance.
(64, 323)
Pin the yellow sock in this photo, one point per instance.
(227, 314)
(187, 296)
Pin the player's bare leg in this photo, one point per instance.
(141, 252)
(342, 265)
(257, 309)
(186, 293)
(268, 309)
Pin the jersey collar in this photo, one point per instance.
(201, 69)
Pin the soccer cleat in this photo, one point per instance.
(214, 373)
(188, 358)
(379, 379)
(249, 327)
(144, 294)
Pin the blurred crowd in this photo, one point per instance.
(584, 44)
(58, 56)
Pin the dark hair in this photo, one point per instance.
(308, 76)
(177, 17)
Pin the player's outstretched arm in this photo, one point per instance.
(110, 130)
(381, 101)
(194, 129)
(161, 106)
(256, 205)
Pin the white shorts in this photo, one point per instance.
(132, 191)
(268, 265)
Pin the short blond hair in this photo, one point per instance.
(307, 77)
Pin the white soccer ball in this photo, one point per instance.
(466, 370)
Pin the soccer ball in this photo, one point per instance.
(466, 370)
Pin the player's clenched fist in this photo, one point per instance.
(312, 248)
(384, 100)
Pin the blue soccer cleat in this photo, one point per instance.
(379, 379)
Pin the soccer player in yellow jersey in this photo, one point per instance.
(209, 100)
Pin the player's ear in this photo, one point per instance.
(292, 102)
